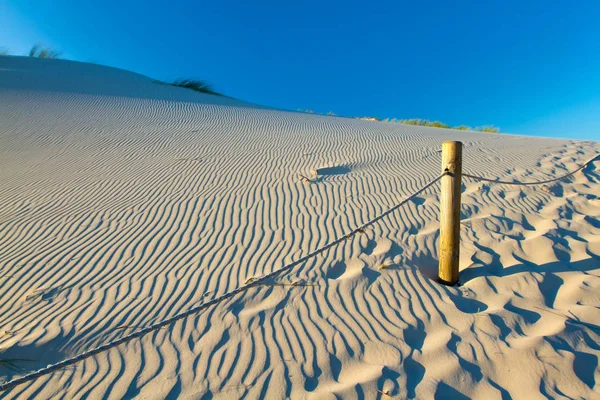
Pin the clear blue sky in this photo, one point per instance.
(529, 67)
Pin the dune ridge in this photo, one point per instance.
(120, 211)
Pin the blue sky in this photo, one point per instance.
(529, 67)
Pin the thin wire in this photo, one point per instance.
(54, 367)
(532, 183)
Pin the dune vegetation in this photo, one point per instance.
(435, 124)
(418, 122)
(43, 52)
(196, 85)
(36, 50)
(202, 86)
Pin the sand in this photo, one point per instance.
(125, 202)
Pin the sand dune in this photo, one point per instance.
(125, 202)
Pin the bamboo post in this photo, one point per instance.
(450, 213)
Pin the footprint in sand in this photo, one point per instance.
(341, 270)
(331, 170)
(354, 269)
(344, 377)
(383, 247)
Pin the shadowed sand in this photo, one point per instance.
(125, 202)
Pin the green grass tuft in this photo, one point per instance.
(489, 128)
(434, 124)
(195, 85)
(423, 122)
(43, 52)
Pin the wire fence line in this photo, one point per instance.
(249, 284)
(480, 178)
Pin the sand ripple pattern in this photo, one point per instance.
(122, 212)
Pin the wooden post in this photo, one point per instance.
(450, 213)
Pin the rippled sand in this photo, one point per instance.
(125, 202)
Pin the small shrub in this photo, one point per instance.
(423, 122)
(437, 124)
(43, 52)
(195, 85)
(489, 128)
